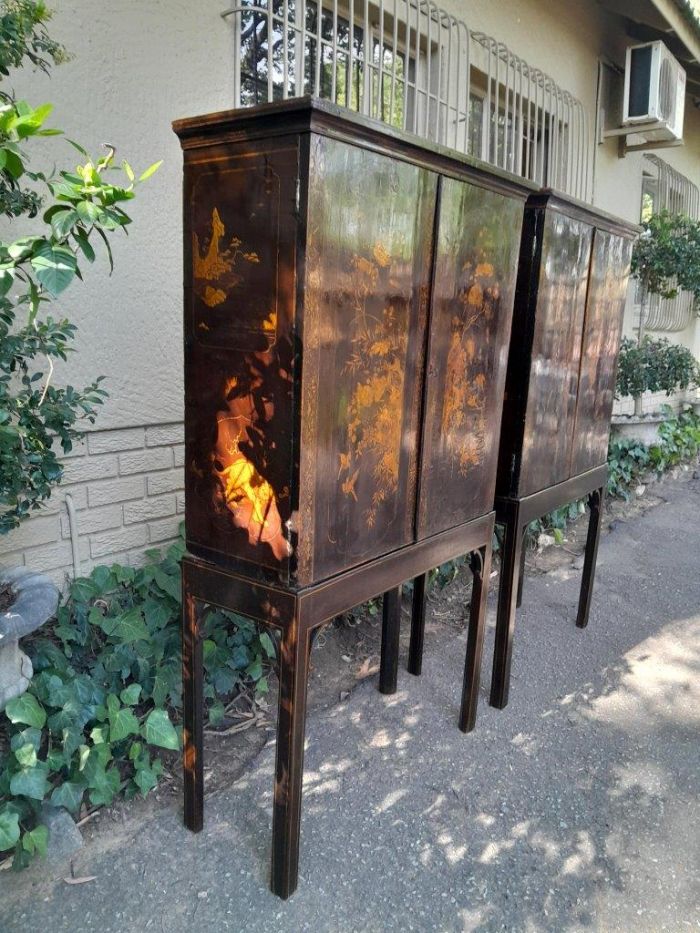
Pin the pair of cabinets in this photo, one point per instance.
(349, 304)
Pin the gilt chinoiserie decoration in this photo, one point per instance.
(348, 304)
(571, 290)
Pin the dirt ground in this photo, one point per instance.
(345, 652)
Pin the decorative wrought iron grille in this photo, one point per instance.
(664, 188)
(412, 65)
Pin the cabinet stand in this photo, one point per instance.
(297, 614)
(515, 514)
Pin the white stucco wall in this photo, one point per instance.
(137, 67)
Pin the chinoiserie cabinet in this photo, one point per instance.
(571, 288)
(348, 305)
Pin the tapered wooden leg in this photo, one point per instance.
(289, 769)
(521, 577)
(505, 619)
(415, 649)
(193, 698)
(595, 504)
(481, 570)
(391, 624)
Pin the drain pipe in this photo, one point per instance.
(73, 528)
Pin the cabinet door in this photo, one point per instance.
(369, 241)
(556, 352)
(605, 305)
(240, 242)
(470, 320)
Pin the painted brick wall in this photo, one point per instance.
(127, 490)
(654, 402)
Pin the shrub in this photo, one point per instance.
(654, 366)
(79, 206)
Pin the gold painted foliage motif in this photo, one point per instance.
(463, 421)
(374, 413)
(217, 263)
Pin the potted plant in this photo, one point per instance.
(654, 366)
(72, 211)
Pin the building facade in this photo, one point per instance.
(136, 67)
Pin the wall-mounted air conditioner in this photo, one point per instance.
(654, 98)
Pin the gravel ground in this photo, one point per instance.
(575, 809)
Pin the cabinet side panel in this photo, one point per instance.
(556, 352)
(369, 245)
(470, 321)
(240, 236)
(607, 290)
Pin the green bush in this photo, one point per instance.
(81, 208)
(106, 693)
(655, 366)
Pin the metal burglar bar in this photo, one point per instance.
(663, 188)
(414, 66)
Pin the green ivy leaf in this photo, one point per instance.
(130, 695)
(268, 644)
(9, 829)
(68, 795)
(121, 724)
(26, 709)
(26, 755)
(158, 730)
(130, 627)
(31, 782)
(55, 267)
(36, 841)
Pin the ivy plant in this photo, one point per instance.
(106, 695)
(74, 210)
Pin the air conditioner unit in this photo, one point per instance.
(654, 98)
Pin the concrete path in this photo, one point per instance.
(576, 808)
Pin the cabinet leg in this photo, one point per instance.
(595, 504)
(289, 768)
(521, 577)
(415, 649)
(193, 734)
(481, 570)
(513, 540)
(391, 624)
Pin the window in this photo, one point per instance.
(664, 188)
(414, 66)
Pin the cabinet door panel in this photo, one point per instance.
(556, 352)
(470, 320)
(605, 305)
(369, 244)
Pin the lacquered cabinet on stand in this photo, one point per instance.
(348, 306)
(572, 285)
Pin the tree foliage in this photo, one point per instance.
(75, 210)
(666, 255)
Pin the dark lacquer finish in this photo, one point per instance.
(368, 256)
(556, 352)
(309, 259)
(240, 246)
(572, 280)
(471, 312)
(605, 306)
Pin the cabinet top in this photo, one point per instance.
(311, 114)
(549, 199)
